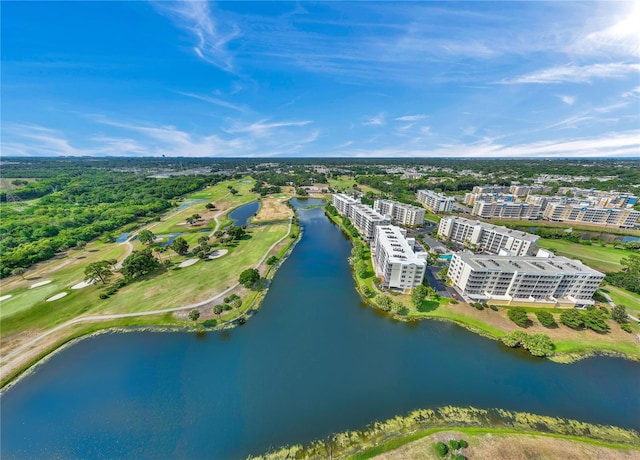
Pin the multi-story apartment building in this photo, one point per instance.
(434, 201)
(487, 237)
(506, 210)
(555, 281)
(400, 213)
(365, 219)
(481, 189)
(343, 203)
(471, 198)
(394, 260)
(524, 190)
(613, 217)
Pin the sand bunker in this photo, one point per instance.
(188, 263)
(57, 296)
(6, 297)
(84, 284)
(218, 253)
(41, 283)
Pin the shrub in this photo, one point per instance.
(625, 327)
(227, 307)
(459, 457)
(227, 299)
(477, 306)
(112, 290)
(194, 315)
(463, 444)
(493, 307)
(519, 317)
(442, 449)
(103, 296)
(514, 339)
(596, 320)
(454, 445)
(546, 319)
(210, 323)
(619, 314)
(384, 302)
(539, 344)
(571, 318)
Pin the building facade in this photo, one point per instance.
(343, 203)
(506, 210)
(554, 281)
(487, 237)
(597, 215)
(405, 214)
(434, 201)
(394, 260)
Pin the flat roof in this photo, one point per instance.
(396, 246)
(497, 228)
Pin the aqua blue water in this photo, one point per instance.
(312, 361)
(241, 215)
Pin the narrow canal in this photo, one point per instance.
(313, 361)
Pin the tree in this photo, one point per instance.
(19, 271)
(146, 237)
(514, 339)
(139, 263)
(619, 314)
(301, 192)
(210, 206)
(442, 449)
(272, 260)
(203, 240)
(418, 295)
(538, 344)
(81, 244)
(100, 270)
(249, 277)
(519, 317)
(361, 269)
(180, 246)
(194, 315)
(236, 232)
(384, 302)
(596, 320)
(572, 318)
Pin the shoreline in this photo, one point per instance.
(95, 328)
(557, 357)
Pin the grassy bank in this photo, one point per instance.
(604, 259)
(570, 345)
(577, 227)
(380, 437)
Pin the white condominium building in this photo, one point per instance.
(394, 260)
(365, 219)
(524, 190)
(401, 213)
(343, 203)
(434, 201)
(548, 280)
(506, 210)
(487, 237)
(614, 217)
(471, 198)
(480, 189)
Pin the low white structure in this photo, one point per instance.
(400, 213)
(506, 210)
(434, 201)
(394, 260)
(546, 281)
(487, 237)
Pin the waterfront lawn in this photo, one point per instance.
(604, 259)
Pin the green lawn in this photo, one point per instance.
(604, 259)
(623, 297)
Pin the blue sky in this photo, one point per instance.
(338, 79)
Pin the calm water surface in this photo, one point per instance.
(242, 214)
(313, 361)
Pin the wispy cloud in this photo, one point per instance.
(376, 120)
(576, 74)
(216, 101)
(569, 100)
(263, 128)
(620, 38)
(212, 37)
(417, 117)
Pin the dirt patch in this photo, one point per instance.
(509, 446)
(272, 209)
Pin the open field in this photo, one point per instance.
(272, 209)
(623, 297)
(6, 183)
(577, 226)
(604, 259)
(347, 183)
(486, 444)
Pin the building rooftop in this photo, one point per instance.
(395, 245)
(526, 264)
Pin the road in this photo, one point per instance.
(436, 283)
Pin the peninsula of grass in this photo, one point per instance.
(467, 423)
(27, 313)
(570, 345)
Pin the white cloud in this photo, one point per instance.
(216, 101)
(569, 100)
(576, 74)
(620, 38)
(417, 117)
(262, 128)
(377, 120)
(212, 37)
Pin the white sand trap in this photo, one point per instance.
(84, 284)
(188, 263)
(6, 297)
(218, 253)
(41, 283)
(56, 297)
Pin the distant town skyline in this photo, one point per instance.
(334, 79)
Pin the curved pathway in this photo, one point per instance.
(84, 319)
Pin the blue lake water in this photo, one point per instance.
(242, 214)
(314, 360)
